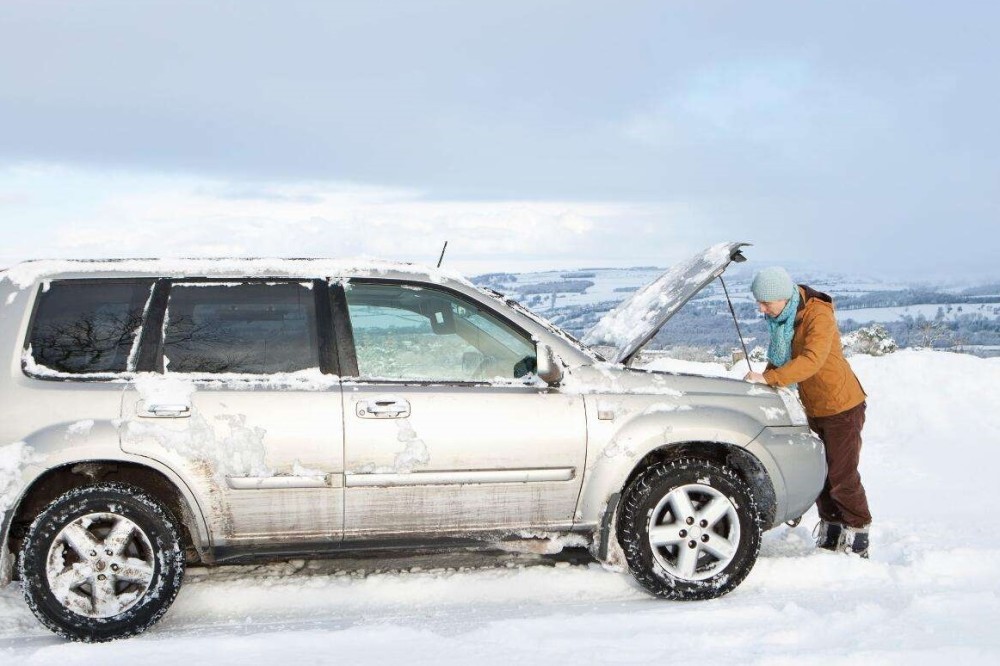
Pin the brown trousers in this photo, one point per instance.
(843, 498)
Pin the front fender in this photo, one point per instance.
(618, 445)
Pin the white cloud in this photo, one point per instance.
(76, 213)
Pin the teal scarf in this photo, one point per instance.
(782, 328)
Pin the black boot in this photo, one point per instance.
(856, 541)
(829, 535)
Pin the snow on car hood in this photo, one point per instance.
(635, 321)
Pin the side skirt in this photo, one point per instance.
(487, 541)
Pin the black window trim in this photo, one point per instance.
(89, 377)
(347, 357)
(151, 342)
(348, 351)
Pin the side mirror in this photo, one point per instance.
(549, 369)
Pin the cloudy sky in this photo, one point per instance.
(859, 136)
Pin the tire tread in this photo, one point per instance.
(139, 617)
(632, 538)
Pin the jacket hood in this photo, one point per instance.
(634, 322)
(811, 293)
(812, 296)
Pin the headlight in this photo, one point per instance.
(796, 412)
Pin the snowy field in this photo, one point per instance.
(606, 281)
(626, 280)
(929, 594)
(950, 311)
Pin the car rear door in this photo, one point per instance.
(244, 402)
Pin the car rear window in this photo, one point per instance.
(250, 328)
(85, 327)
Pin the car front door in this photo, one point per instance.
(446, 428)
(244, 407)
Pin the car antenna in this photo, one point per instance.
(738, 258)
(441, 258)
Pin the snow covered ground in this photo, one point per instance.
(929, 594)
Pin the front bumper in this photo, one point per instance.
(795, 460)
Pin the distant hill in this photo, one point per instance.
(965, 318)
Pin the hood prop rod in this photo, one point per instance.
(732, 311)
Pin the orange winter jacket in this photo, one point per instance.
(827, 385)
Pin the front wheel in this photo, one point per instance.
(690, 529)
(101, 562)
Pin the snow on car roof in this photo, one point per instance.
(29, 272)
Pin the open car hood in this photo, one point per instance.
(634, 322)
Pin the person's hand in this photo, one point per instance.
(755, 377)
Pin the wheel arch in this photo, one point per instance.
(745, 463)
(55, 481)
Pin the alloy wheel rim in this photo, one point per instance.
(100, 565)
(694, 532)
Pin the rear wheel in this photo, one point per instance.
(690, 529)
(101, 562)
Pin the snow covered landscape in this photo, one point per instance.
(938, 314)
(928, 595)
(218, 214)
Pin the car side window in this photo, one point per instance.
(88, 327)
(243, 328)
(424, 334)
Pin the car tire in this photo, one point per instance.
(101, 562)
(690, 529)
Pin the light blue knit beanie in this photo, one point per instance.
(772, 284)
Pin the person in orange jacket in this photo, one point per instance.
(805, 351)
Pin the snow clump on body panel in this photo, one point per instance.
(415, 453)
(233, 447)
(13, 459)
(666, 407)
(34, 369)
(311, 379)
(80, 429)
(773, 413)
(298, 469)
(611, 380)
(164, 389)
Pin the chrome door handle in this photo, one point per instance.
(383, 408)
(166, 411)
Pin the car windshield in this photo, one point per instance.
(561, 332)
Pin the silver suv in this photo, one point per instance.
(158, 413)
